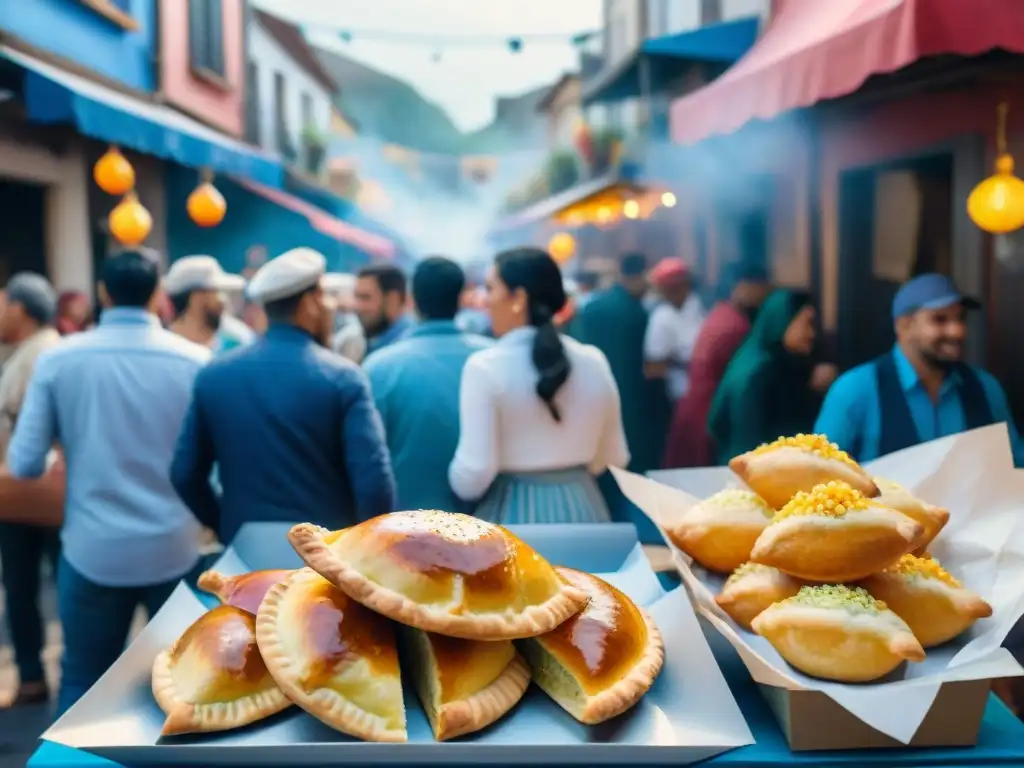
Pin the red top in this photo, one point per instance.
(814, 50)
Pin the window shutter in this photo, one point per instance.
(215, 36)
(196, 33)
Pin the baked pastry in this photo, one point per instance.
(752, 588)
(600, 662)
(778, 471)
(720, 531)
(464, 685)
(442, 572)
(895, 496)
(935, 606)
(333, 657)
(245, 591)
(833, 534)
(213, 678)
(838, 633)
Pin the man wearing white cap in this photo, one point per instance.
(291, 426)
(196, 286)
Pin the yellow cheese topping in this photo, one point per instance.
(922, 567)
(818, 444)
(746, 570)
(732, 497)
(831, 499)
(855, 599)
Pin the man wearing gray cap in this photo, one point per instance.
(290, 425)
(196, 286)
(27, 307)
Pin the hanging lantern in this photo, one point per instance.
(583, 141)
(113, 173)
(996, 205)
(130, 223)
(206, 206)
(562, 247)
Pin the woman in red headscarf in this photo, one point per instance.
(73, 312)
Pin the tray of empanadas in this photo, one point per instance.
(857, 581)
(424, 630)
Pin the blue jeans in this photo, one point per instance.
(96, 621)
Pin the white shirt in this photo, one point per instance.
(671, 335)
(506, 427)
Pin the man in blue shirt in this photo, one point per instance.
(381, 305)
(415, 383)
(921, 390)
(291, 426)
(114, 398)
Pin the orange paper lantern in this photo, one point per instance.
(206, 206)
(562, 247)
(113, 173)
(130, 223)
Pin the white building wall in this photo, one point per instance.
(269, 58)
(737, 9)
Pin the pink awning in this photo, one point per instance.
(815, 50)
(323, 222)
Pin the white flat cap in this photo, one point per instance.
(199, 273)
(288, 275)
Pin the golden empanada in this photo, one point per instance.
(464, 685)
(838, 633)
(833, 534)
(602, 661)
(752, 588)
(935, 606)
(895, 496)
(720, 531)
(333, 657)
(442, 572)
(213, 678)
(245, 591)
(778, 471)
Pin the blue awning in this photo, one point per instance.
(53, 95)
(669, 57)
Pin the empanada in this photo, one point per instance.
(213, 678)
(833, 534)
(752, 588)
(838, 633)
(442, 572)
(602, 661)
(245, 591)
(778, 471)
(720, 531)
(464, 685)
(895, 496)
(333, 657)
(935, 606)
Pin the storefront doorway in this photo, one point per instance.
(22, 228)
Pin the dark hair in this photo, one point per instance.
(179, 301)
(437, 286)
(588, 280)
(389, 278)
(633, 265)
(538, 275)
(130, 278)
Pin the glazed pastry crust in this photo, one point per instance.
(325, 704)
(188, 717)
(830, 644)
(744, 598)
(931, 517)
(312, 545)
(487, 706)
(777, 475)
(936, 612)
(837, 550)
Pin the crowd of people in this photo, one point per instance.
(323, 399)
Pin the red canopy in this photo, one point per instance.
(823, 49)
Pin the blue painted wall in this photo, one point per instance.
(71, 29)
(250, 221)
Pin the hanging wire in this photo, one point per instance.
(513, 42)
(1001, 113)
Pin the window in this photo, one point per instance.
(252, 103)
(206, 36)
(284, 140)
(710, 12)
(308, 120)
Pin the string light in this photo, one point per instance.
(514, 43)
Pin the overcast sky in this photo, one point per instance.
(466, 79)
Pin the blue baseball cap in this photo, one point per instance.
(929, 291)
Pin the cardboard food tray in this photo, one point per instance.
(688, 715)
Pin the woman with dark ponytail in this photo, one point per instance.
(539, 413)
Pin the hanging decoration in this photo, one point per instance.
(435, 42)
(996, 205)
(130, 223)
(113, 173)
(206, 205)
(583, 141)
(562, 247)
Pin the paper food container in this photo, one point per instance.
(688, 715)
(939, 702)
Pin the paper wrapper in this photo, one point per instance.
(970, 474)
